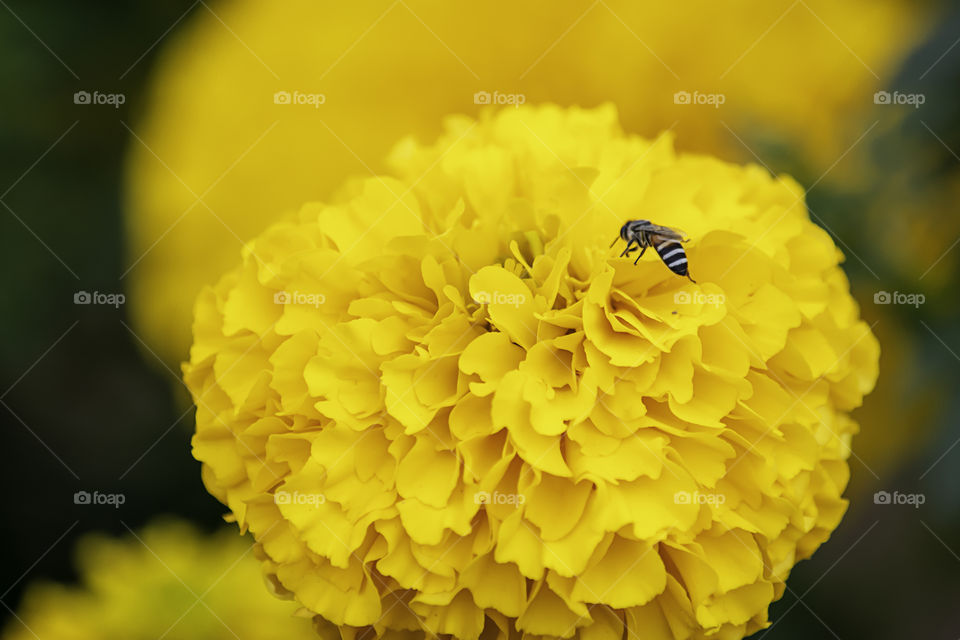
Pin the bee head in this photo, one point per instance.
(630, 227)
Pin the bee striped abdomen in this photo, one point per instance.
(673, 255)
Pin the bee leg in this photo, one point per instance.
(691, 279)
(642, 251)
(626, 251)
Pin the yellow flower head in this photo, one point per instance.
(170, 581)
(234, 133)
(443, 404)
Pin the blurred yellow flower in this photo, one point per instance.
(443, 404)
(350, 79)
(173, 582)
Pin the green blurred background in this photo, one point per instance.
(85, 407)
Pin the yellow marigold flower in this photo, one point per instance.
(799, 75)
(173, 582)
(443, 404)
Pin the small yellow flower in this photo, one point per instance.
(174, 582)
(443, 404)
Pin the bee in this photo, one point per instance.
(640, 234)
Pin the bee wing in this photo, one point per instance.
(669, 234)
